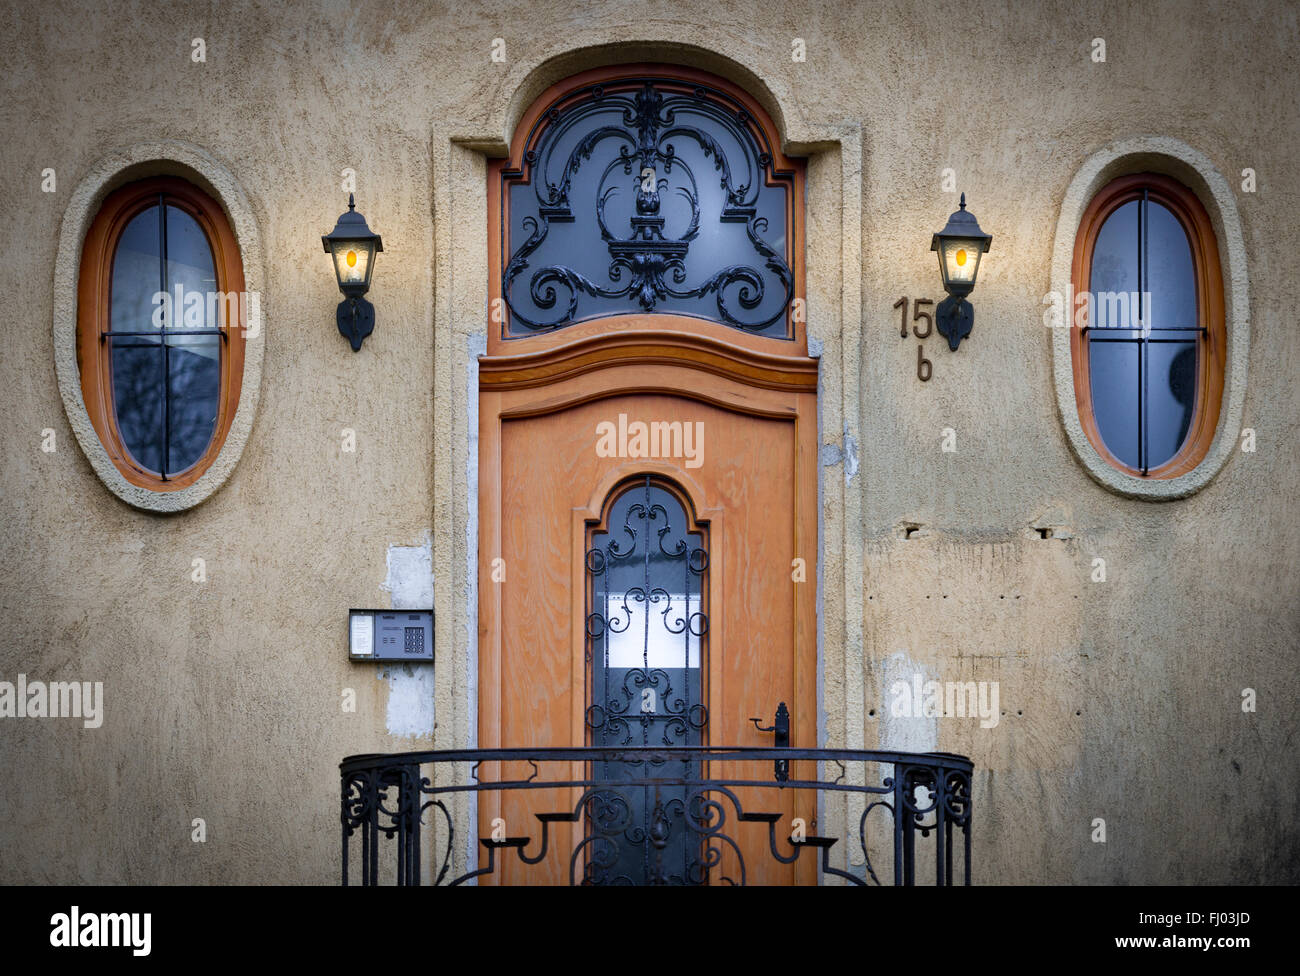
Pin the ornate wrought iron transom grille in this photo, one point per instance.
(646, 627)
(647, 195)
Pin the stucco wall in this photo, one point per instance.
(223, 698)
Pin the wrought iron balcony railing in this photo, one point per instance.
(677, 815)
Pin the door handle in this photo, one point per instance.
(781, 730)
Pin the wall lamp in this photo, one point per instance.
(353, 246)
(960, 245)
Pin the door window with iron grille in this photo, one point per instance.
(647, 626)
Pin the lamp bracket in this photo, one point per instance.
(356, 319)
(954, 317)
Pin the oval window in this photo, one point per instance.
(161, 315)
(1149, 351)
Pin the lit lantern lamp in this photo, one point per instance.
(960, 245)
(353, 246)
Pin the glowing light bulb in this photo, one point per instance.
(961, 258)
(352, 258)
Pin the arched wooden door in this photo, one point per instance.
(647, 446)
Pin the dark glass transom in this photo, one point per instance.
(647, 195)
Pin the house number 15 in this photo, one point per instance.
(924, 369)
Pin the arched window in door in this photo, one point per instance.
(647, 192)
(647, 620)
(647, 625)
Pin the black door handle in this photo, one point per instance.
(781, 728)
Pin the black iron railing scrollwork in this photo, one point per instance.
(398, 824)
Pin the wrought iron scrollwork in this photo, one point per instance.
(650, 571)
(615, 212)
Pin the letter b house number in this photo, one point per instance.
(922, 312)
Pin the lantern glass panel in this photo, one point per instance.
(959, 260)
(352, 261)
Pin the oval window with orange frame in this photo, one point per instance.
(1149, 336)
(161, 314)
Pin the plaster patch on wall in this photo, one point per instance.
(850, 455)
(410, 686)
(410, 576)
(900, 733)
(410, 699)
(1054, 523)
(831, 455)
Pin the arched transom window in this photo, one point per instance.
(644, 194)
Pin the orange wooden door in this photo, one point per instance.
(745, 493)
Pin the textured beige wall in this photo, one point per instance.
(223, 698)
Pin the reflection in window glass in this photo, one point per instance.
(1114, 369)
(1115, 267)
(194, 391)
(1172, 383)
(1143, 335)
(136, 276)
(138, 382)
(165, 352)
(1170, 277)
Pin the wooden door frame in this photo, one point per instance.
(629, 354)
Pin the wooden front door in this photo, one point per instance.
(552, 491)
(647, 476)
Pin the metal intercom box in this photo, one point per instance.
(390, 635)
